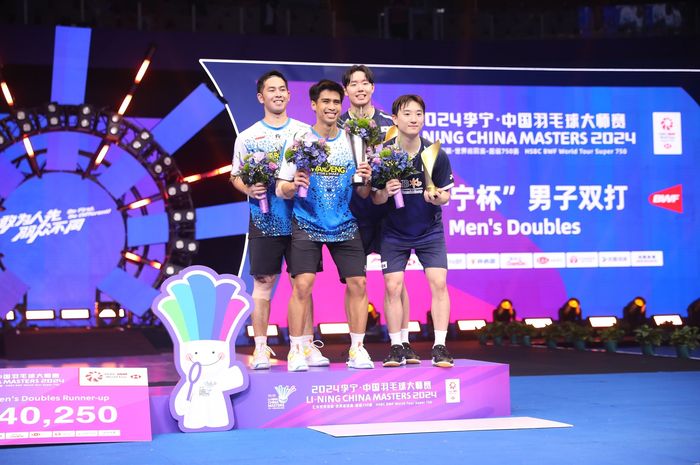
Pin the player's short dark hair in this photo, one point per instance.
(404, 100)
(355, 68)
(325, 84)
(268, 75)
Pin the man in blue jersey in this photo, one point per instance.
(358, 81)
(269, 234)
(324, 217)
(417, 226)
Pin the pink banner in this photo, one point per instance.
(47, 405)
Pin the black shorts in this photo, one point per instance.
(431, 253)
(371, 237)
(266, 254)
(348, 256)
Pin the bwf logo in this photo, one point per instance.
(670, 198)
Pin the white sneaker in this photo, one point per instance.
(296, 361)
(261, 358)
(359, 358)
(314, 357)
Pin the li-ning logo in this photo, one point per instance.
(279, 401)
(94, 376)
(670, 198)
(666, 124)
(52, 223)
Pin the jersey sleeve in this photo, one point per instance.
(442, 172)
(238, 154)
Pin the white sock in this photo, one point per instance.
(260, 341)
(308, 340)
(395, 338)
(440, 337)
(296, 342)
(404, 335)
(357, 339)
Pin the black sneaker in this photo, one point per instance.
(395, 357)
(441, 357)
(409, 354)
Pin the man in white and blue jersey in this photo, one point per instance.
(358, 81)
(269, 234)
(417, 226)
(324, 217)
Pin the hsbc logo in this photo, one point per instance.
(670, 198)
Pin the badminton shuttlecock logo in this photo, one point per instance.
(283, 393)
(203, 312)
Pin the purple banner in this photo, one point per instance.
(73, 405)
(337, 395)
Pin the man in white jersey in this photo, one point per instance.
(324, 217)
(269, 234)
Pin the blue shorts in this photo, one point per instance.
(431, 253)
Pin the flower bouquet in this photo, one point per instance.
(391, 163)
(260, 167)
(365, 135)
(308, 153)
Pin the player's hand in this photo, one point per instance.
(257, 191)
(393, 186)
(301, 179)
(364, 170)
(433, 196)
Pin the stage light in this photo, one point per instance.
(196, 177)
(504, 312)
(10, 316)
(125, 104)
(333, 329)
(8, 95)
(28, 146)
(634, 313)
(52, 114)
(571, 310)
(107, 313)
(414, 327)
(114, 127)
(86, 117)
(75, 314)
(538, 323)
(272, 331)
(176, 189)
(673, 319)
(40, 314)
(181, 216)
(139, 203)
(186, 245)
(171, 269)
(470, 325)
(163, 164)
(602, 321)
(101, 155)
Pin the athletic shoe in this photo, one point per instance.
(261, 358)
(296, 361)
(359, 358)
(314, 357)
(409, 354)
(441, 357)
(396, 357)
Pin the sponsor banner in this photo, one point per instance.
(668, 139)
(483, 261)
(613, 259)
(336, 395)
(456, 261)
(69, 405)
(647, 258)
(510, 261)
(549, 260)
(581, 259)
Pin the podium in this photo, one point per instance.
(335, 395)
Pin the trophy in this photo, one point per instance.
(359, 155)
(391, 133)
(428, 156)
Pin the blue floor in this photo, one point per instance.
(633, 418)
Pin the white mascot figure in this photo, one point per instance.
(203, 313)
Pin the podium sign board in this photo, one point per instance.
(47, 405)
